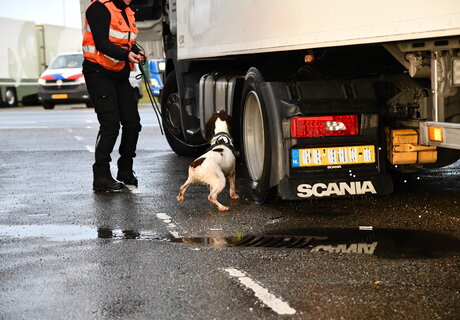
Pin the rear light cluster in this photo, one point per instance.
(324, 126)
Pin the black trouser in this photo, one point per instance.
(115, 104)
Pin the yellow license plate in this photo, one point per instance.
(60, 96)
(332, 156)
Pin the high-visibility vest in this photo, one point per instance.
(119, 33)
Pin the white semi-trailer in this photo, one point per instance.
(325, 96)
(27, 49)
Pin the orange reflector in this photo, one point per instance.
(435, 134)
(309, 58)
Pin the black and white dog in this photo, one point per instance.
(217, 164)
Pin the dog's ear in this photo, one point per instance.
(211, 125)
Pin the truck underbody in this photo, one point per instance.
(323, 121)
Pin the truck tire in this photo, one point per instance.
(11, 99)
(2, 102)
(171, 119)
(255, 139)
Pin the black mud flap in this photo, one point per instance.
(305, 188)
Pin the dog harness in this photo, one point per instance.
(223, 139)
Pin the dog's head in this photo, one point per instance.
(211, 124)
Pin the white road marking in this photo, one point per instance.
(90, 149)
(133, 189)
(276, 304)
(163, 216)
(169, 224)
(79, 138)
(175, 234)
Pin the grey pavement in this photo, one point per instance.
(69, 253)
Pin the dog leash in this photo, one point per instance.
(153, 102)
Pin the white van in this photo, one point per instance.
(63, 82)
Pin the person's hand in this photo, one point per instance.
(134, 58)
(143, 56)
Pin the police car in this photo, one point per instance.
(63, 82)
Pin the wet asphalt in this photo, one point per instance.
(69, 253)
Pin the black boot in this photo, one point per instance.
(127, 177)
(103, 181)
(106, 184)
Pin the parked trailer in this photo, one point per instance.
(26, 50)
(326, 97)
(19, 66)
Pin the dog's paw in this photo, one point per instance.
(180, 199)
(223, 208)
(234, 196)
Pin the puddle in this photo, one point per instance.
(49, 231)
(388, 243)
(74, 233)
(107, 233)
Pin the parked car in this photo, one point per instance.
(63, 82)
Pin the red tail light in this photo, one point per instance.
(324, 126)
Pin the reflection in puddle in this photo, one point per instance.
(107, 233)
(389, 243)
(367, 248)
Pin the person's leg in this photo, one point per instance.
(104, 96)
(131, 126)
(109, 127)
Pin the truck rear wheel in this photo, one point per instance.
(171, 119)
(255, 140)
(11, 98)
